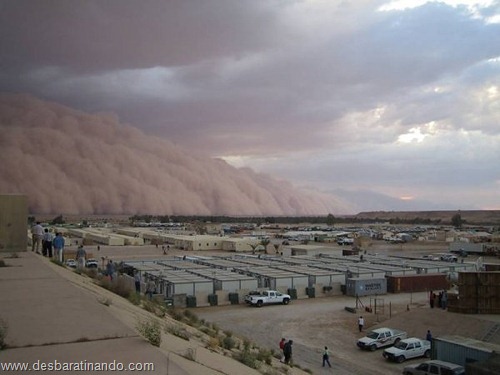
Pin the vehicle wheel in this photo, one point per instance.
(427, 354)
(400, 359)
(373, 347)
(259, 303)
(286, 301)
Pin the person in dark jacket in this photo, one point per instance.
(287, 351)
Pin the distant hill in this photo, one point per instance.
(491, 217)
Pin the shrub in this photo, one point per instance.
(228, 343)
(228, 333)
(90, 272)
(208, 331)
(247, 344)
(192, 317)
(135, 298)
(154, 307)
(118, 286)
(175, 314)
(3, 333)
(151, 331)
(265, 356)
(213, 343)
(177, 331)
(248, 359)
(2, 263)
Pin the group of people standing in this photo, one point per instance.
(441, 297)
(45, 243)
(286, 350)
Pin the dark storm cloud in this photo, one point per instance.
(92, 35)
(265, 82)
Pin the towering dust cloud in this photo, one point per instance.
(70, 162)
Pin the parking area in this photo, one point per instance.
(315, 323)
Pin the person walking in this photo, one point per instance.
(361, 323)
(326, 357)
(287, 351)
(58, 244)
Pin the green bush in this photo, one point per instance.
(151, 331)
(228, 343)
(265, 356)
(154, 307)
(135, 298)
(248, 359)
(176, 314)
(247, 344)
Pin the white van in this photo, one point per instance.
(434, 367)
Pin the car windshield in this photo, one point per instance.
(372, 335)
(401, 345)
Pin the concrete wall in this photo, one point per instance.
(13, 223)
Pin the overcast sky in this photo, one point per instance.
(394, 104)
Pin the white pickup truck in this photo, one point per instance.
(381, 337)
(266, 297)
(408, 348)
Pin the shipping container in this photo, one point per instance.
(416, 283)
(461, 350)
(365, 286)
(478, 292)
(348, 252)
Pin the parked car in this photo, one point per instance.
(448, 257)
(91, 263)
(434, 367)
(408, 348)
(345, 241)
(381, 337)
(71, 263)
(266, 297)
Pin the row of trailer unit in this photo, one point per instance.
(104, 237)
(227, 279)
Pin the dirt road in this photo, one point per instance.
(314, 323)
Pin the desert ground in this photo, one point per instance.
(314, 323)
